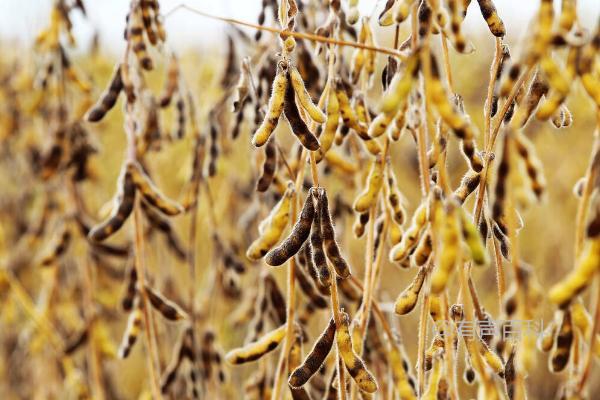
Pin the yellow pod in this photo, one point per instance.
(581, 318)
(546, 339)
(380, 124)
(448, 252)
(431, 392)
(386, 18)
(403, 10)
(336, 160)
(272, 227)
(369, 195)
(568, 14)
(331, 124)
(399, 376)
(472, 238)
(357, 64)
(397, 94)
(274, 111)
(409, 240)
(255, 350)
(407, 300)
(578, 279)
(354, 364)
(313, 111)
(491, 358)
(395, 232)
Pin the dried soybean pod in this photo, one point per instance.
(472, 238)
(308, 288)
(269, 166)
(546, 339)
(162, 224)
(561, 351)
(400, 87)
(171, 82)
(461, 126)
(468, 184)
(314, 274)
(255, 350)
(298, 84)
(108, 99)
(568, 14)
(559, 82)
(407, 300)
(328, 232)
(315, 358)
(331, 124)
(410, 238)
(180, 350)
(501, 180)
(386, 17)
(431, 392)
(290, 245)
(147, 9)
(359, 225)
(369, 195)
(423, 249)
(532, 164)
(180, 119)
(276, 300)
(297, 124)
(393, 195)
(456, 17)
(134, 326)
(403, 10)
(136, 35)
(349, 117)
(150, 192)
(121, 211)
(294, 358)
(131, 290)
(577, 280)
(502, 65)
(448, 252)
(58, 249)
(316, 244)
(489, 13)
(275, 107)
(164, 306)
(354, 364)
(399, 373)
(538, 89)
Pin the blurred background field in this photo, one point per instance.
(546, 240)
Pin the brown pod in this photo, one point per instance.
(276, 299)
(164, 306)
(299, 128)
(108, 99)
(316, 246)
(120, 213)
(331, 248)
(59, 248)
(315, 358)
(308, 288)
(150, 192)
(290, 245)
(315, 274)
(269, 166)
(131, 290)
(561, 351)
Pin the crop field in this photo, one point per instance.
(325, 204)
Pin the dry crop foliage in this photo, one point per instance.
(326, 204)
